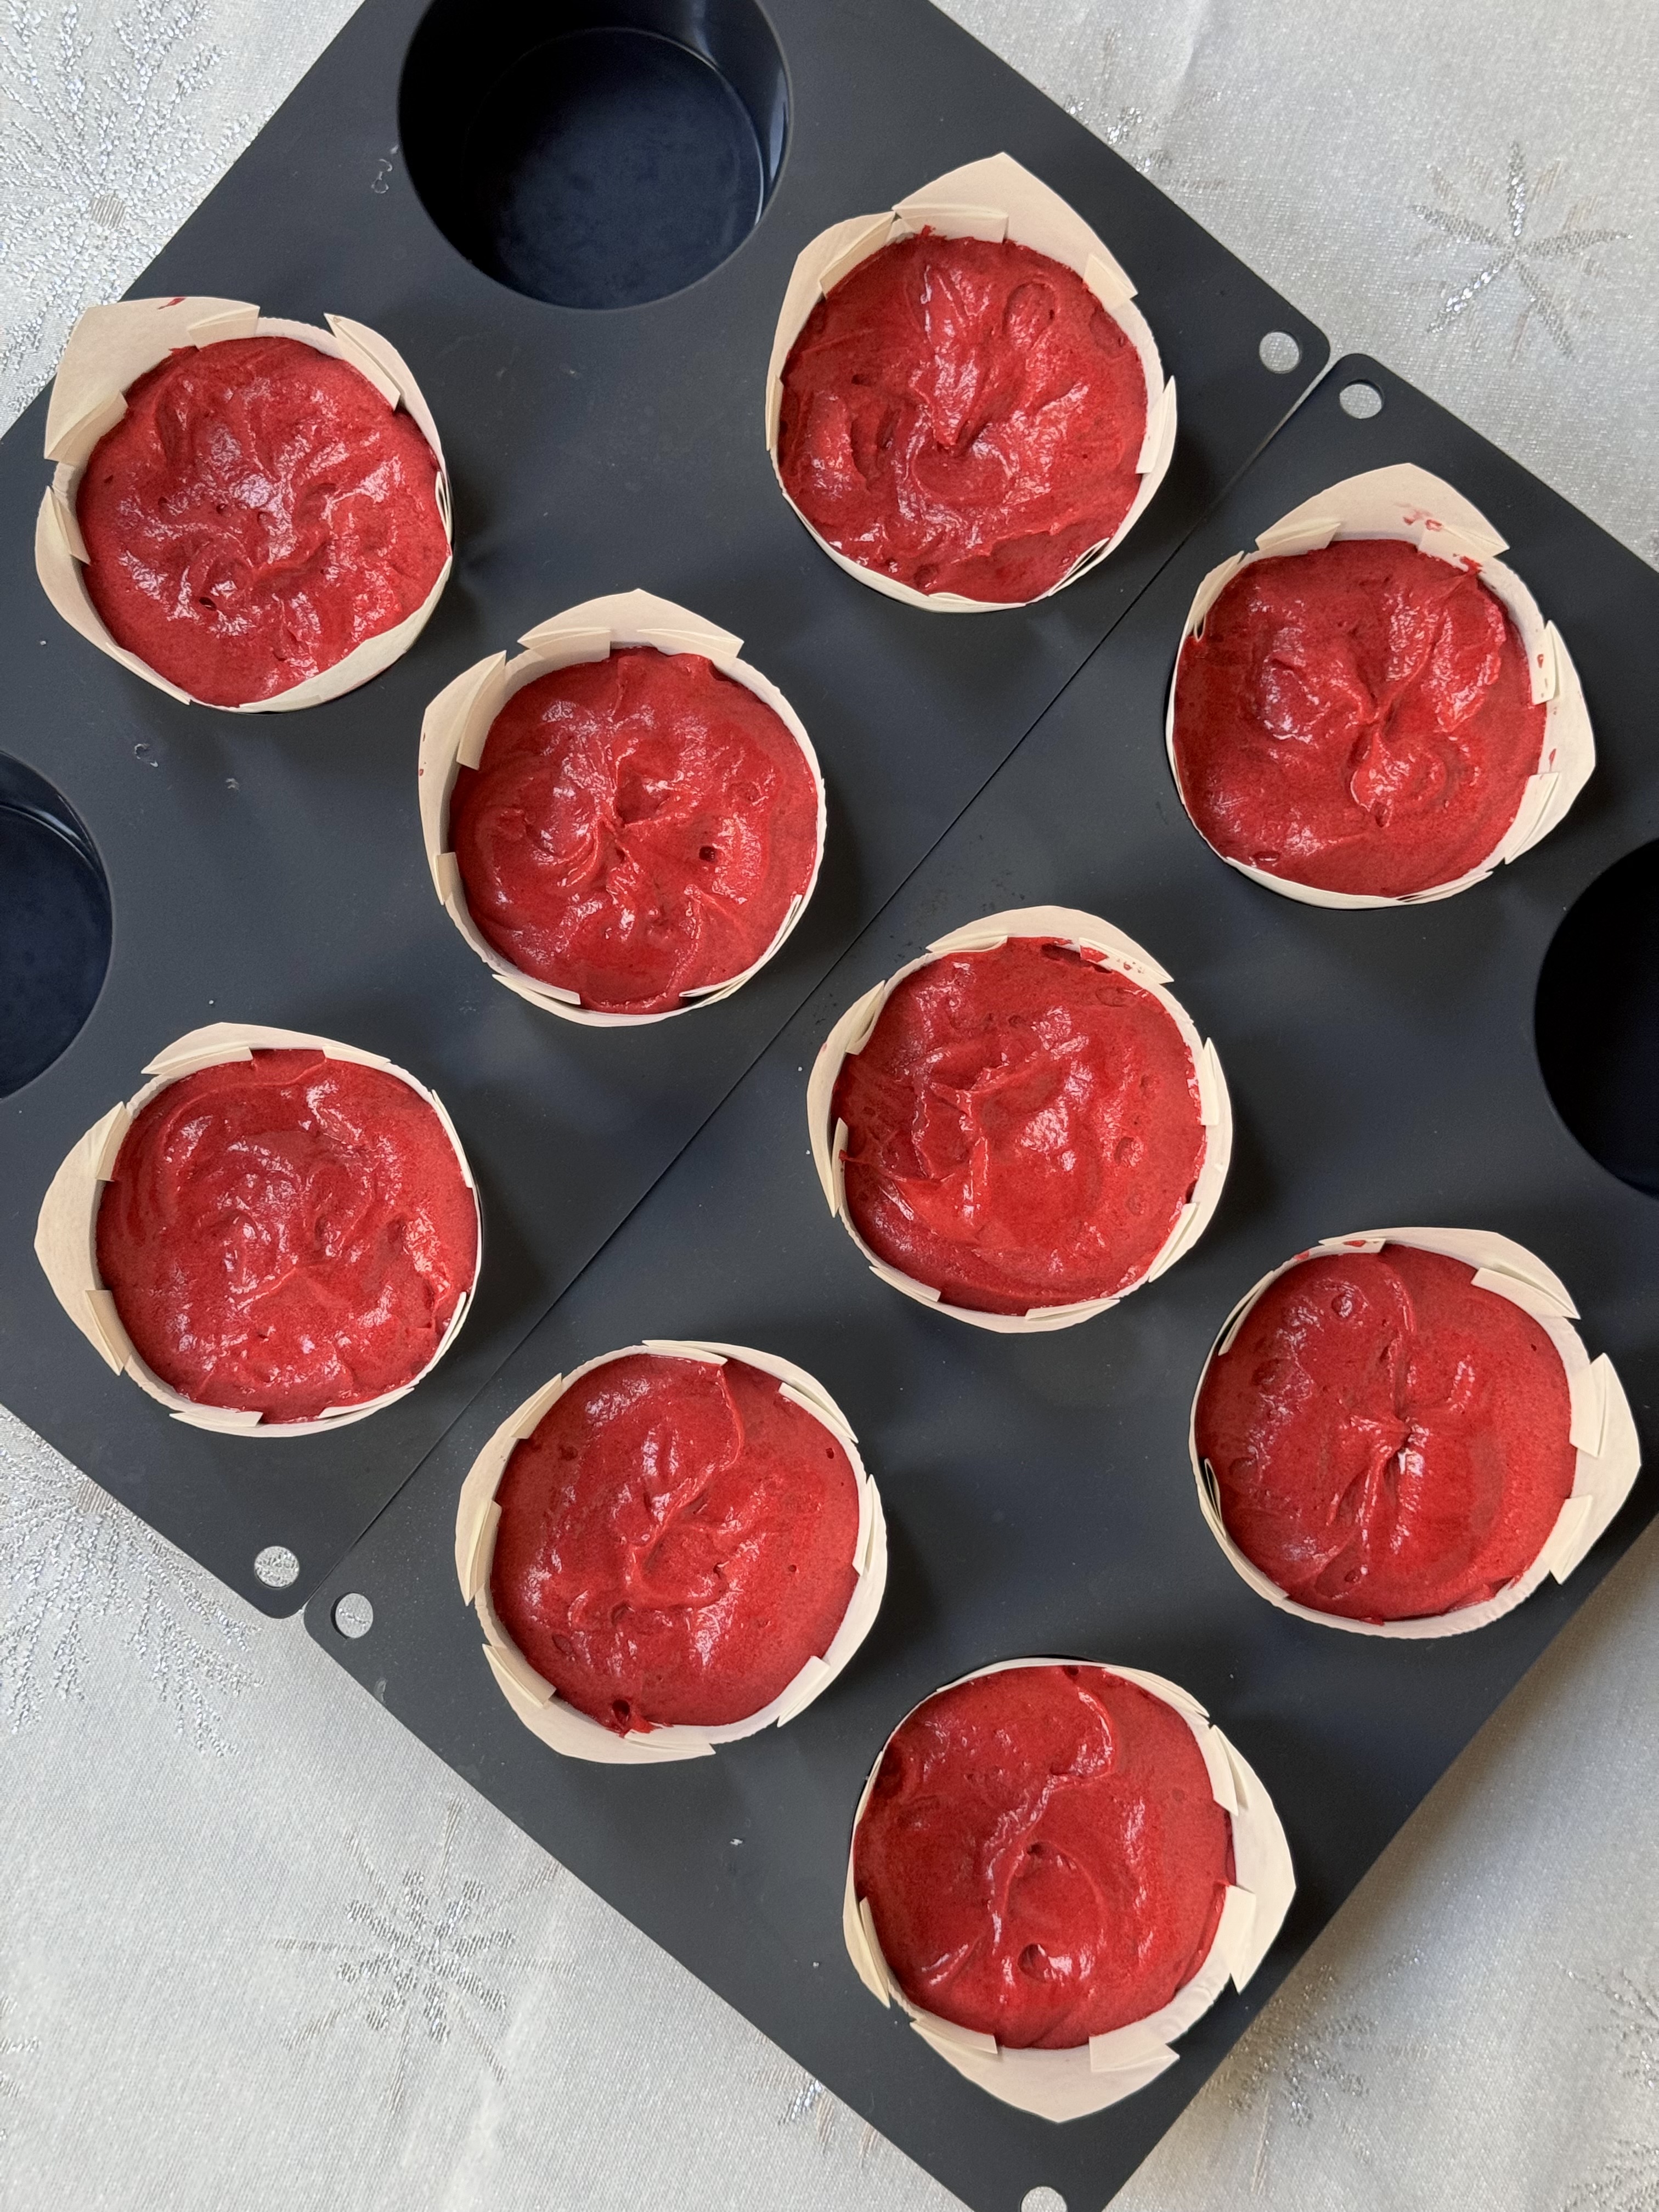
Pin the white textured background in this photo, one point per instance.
(258, 1949)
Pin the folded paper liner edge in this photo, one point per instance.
(65, 1237)
(561, 1726)
(1068, 2085)
(108, 349)
(1068, 925)
(1602, 1429)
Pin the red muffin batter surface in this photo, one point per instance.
(1389, 1441)
(1042, 1855)
(1023, 1127)
(676, 1542)
(287, 1234)
(635, 828)
(963, 416)
(257, 513)
(1358, 719)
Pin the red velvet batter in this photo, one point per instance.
(1023, 1128)
(1357, 720)
(963, 416)
(635, 828)
(676, 1542)
(287, 1234)
(1390, 1443)
(1042, 1856)
(257, 513)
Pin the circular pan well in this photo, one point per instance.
(600, 154)
(1597, 1019)
(54, 925)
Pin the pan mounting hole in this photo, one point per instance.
(54, 925)
(1042, 2199)
(1279, 352)
(1597, 1020)
(596, 152)
(354, 1616)
(276, 1566)
(1361, 401)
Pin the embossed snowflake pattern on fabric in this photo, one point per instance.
(76, 1568)
(425, 1959)
(1518, 254)
(11, 2088)
(1627, 2181)
(102, 119)
(1312, 2049)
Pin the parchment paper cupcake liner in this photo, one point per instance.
(1406, 502)
(66, 1236)
(457, 723)
(546, 1715)
(993, 199)
(1603, 1430)
(1066, 2085)
(108, 349)
(1080, 931)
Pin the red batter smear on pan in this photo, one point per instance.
(257, 513)
(963, 416)
(676, 1542)
(635, 828)
(1389, 1441)
(1023, 1127)
(1042, 1855)
(287, 1234)
(1357, 720)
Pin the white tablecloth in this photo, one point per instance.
(257, 1946)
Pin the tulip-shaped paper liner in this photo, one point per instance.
(457, 723)
(993, 199)
(1083, 932)
(1406, 502)
(532, 1697)
(66, 1238)
(108, 349)
(1066, 2084)
(1602, 1431)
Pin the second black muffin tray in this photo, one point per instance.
(270, 868)
(1038, 1489)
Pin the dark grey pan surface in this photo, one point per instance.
(268, 868)
(1038, 1489)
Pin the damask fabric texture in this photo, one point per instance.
(258, 1946)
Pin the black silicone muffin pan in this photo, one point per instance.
(596, 361)
(270, 869)
(1038, 1495)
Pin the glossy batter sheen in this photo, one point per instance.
(287, 1234)
(1023, 1128)
(676, 1542)
(635, 828)
(1390, 1443)
(257, 513)
(1042, 1855)
(963, 416)
(1357, 720)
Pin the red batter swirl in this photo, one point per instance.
(676, 1542)
(1357, 720)
(635, 828)
(1042, 1856)
(257, 513)
(287, 1234)
(963, 416)
(1390, 1443)
(1024, 1128)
